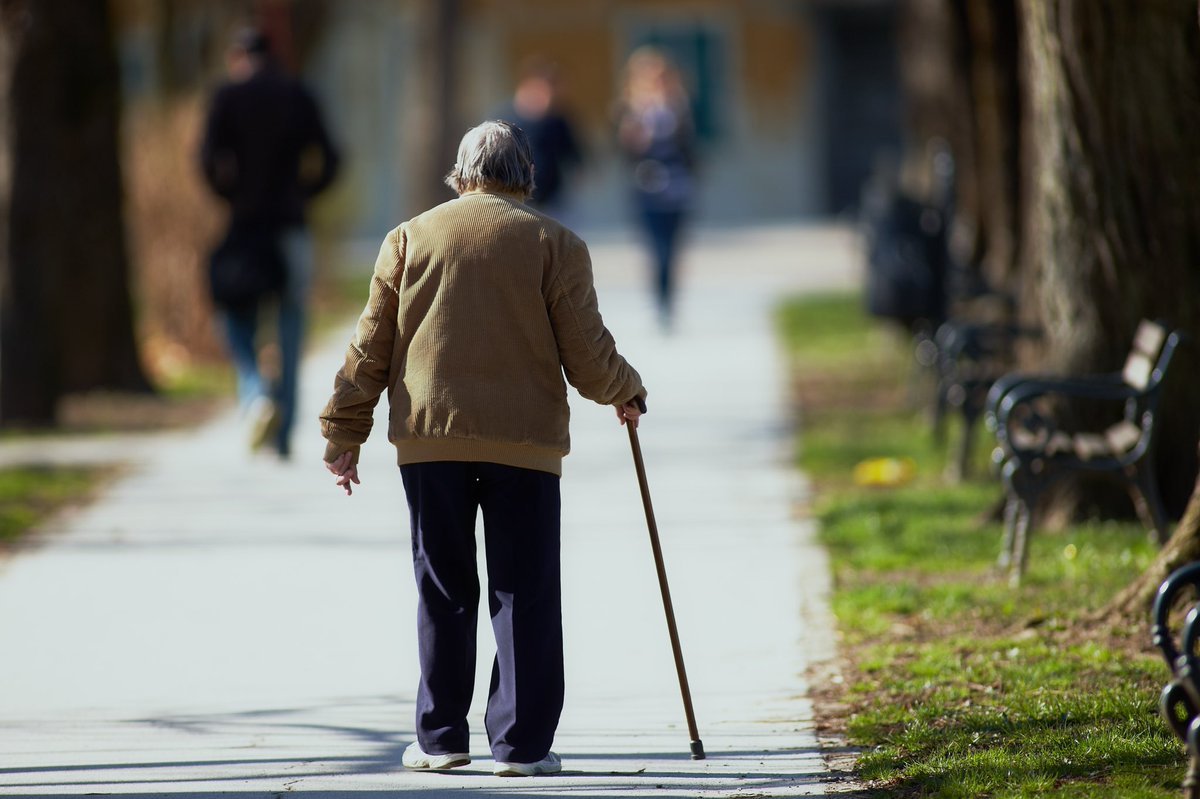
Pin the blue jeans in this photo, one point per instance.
(241, 328)
(662, 228)
(521, 509)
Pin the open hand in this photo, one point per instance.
(346, 471)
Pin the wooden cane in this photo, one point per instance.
(697, 747)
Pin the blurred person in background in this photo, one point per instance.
(266, 152)
(477, 309)
(536, 109)
(655, 132)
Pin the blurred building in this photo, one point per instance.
(793, 99)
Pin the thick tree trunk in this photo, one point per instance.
(65, 257)
(99, 348)
(992, 27)
(1112, 225)
(1183, 548)
(28, 378)
(1133, 604)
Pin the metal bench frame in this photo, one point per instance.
(1033, 451)
(1180, 700)
(970, 357)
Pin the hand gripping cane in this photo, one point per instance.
(697, 747)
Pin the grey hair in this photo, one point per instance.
(494, 156)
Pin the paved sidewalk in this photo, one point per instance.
(224, 624)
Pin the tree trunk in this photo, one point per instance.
(959, 69)
(992, 27)
(65, 258)
(28, 379)
(438, 128)
(933, 73)
(1134, 602)
(1112, 224)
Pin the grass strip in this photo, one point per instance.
(30, 494)
(955, 684)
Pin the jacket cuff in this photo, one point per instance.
(333, 451)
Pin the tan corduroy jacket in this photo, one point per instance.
(477, 308)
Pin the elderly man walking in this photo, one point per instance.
(477, 309)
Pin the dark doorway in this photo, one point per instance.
(860, 91)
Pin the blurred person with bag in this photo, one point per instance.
(266, 152)
(655, 131)
(477, 309)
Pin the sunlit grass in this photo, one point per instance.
(826, 328)
(959, 685)
(29, 494)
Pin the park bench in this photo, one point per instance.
(968, 358)
(1035, 447)
(1180, 700)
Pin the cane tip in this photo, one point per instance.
(697, 747)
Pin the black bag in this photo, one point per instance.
(246, 268)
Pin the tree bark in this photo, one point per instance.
(1134, 602)
(934, 62)
(65, 258)
(438, 128)
(960, 74)
(1112, 224)
(29, 388)
(992, 28)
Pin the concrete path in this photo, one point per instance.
(225, 624)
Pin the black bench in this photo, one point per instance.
(1035, 449)
(1180, 701)
(969, 357)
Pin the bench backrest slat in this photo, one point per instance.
(1147, 345)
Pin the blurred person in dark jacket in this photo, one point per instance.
(655, 131)
(536, 108)
(266, 152)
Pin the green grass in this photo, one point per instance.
(831, 326)
(29, 494)
(198, 381)
(958, 685)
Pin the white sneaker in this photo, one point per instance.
(414, 758)
(262, 421)
(550, 764)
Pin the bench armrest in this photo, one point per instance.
(1164, 600)
(1036, 384)
(1107, 387)
(1099, 387)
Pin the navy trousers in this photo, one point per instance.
(662, 227)
(521, 520)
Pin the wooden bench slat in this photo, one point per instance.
(1138, 368)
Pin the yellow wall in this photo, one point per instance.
(769, 48)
